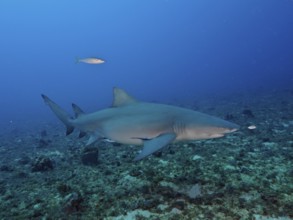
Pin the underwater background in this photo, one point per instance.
(231, 59)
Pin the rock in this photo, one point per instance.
(42, 163)
(43, 133)
(72, 203)
(43, 143)
(21, 174)
(194, 191)
(229, 117)
(63, 188)
(179, 204)
(90, 156)
(6, 168)
(24, 160)
(248, 113)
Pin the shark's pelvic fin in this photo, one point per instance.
(121, 98)
(155, 144)
(93, 138)
(60, 113)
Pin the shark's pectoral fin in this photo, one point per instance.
(155, 144)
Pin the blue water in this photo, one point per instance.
(157, 50)
(228, 58)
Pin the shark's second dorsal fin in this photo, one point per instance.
(77, 110)
(121, 98)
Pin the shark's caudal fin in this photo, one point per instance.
(77, 60)
(60, 113)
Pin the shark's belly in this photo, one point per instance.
(134, 130)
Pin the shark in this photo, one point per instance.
(133, 122)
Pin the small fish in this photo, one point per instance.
(251, 127)
(90, 60)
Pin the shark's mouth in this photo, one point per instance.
(216, 135)
(232, 130)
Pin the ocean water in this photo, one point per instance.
(230, 59)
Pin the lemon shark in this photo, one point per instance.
(152, 125)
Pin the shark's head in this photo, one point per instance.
(212, 128)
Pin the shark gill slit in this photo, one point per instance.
(179, 128)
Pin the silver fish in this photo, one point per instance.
(90, 60)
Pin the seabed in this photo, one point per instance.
(245, 175)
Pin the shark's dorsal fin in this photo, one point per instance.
(77, 110)
(121, 98)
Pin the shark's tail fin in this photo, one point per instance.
(60, 113)
(77, 60)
